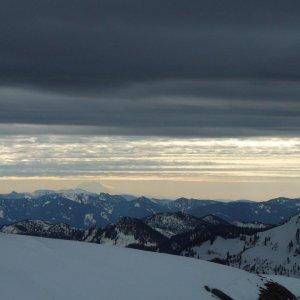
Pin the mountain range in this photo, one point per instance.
(82, 209)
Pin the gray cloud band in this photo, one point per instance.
(204, 68)
(201, 109)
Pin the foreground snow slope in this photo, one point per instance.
(274, 251)
(39, 268)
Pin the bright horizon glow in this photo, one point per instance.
(60, 160)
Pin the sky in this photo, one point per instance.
(165, 98)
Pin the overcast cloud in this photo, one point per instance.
(184, 68)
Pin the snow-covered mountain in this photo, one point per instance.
(82, 209)
(170, 224)
(206, 231)
(127, 232)
(74, 207)
(44, 229)
(77, 195)
(163, 232)
(36, 268)
(274, 251)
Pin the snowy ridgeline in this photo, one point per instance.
(274, 251)
(82, 209)
(37, 268)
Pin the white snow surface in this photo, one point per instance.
(219, 248)
(78, 195)
(292, 284)
(269, 252)
(170, 224)
(250, 224)
(89, 220)
(38, 268)
(121, 240)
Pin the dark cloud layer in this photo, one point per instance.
(152, 67)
